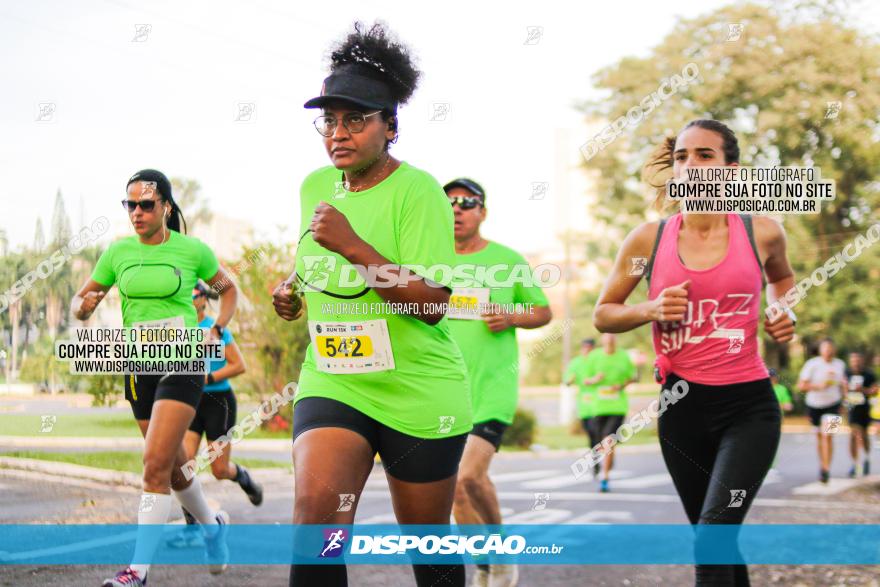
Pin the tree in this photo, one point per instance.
(187, 194)
(61, 232)
(799, 90)
(39, 236)
(273, 348)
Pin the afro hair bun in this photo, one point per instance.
(379, 49)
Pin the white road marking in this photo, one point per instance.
(545, 516)
(643, 482)
(834, 486)
(556, 482)
(622, 517)
(520, 475)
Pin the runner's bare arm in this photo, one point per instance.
(770, 239)
(224, 285)
(612, 314)
(235, 364)
(332, 230)
(87, 299)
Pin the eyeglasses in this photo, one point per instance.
(354, 122)
(466, 202)
(146, 205)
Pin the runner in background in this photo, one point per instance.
(861, 388)
(781, 391)
(607, 373)
(155, 270)
(575, 374)
(484, 317)
(823, 379)
(215, 416)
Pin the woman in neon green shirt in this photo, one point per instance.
(375, 379)
(155, 271)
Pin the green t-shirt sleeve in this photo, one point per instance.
(426, 230)
(528, 294)
(104, 273)
(208, 264)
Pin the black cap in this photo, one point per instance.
(359, 84)
(590, 341)
(157, 177)
(468, 184)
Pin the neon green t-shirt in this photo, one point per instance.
(156, 281)
(617, 369)
(576, 372)
(782, 394)
(408, 220)
(492, 358)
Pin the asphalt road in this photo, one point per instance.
(642, 492)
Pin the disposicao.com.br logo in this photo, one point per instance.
(397, 544)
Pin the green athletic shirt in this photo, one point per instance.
(782, 393)
(577, 372)
(408, 220)
(156, 281)
(618, 369)
(492, 359)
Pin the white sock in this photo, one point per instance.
(154, 508)
(193, 499)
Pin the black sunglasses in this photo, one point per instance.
(466, 202)
(146, 205)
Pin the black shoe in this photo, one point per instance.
(252, 488)
(823, 476)
(866, 468)
(852, 472)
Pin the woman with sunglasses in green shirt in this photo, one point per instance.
(155, 271)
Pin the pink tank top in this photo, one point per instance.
(717, 342)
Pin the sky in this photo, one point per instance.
(135, 85)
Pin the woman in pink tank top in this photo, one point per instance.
(719, 423)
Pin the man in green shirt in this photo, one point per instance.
(607, 372)
(575, 373)
(486, 308)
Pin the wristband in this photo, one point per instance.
(211, 379)
(219, 330)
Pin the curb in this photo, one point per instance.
(69, 470)
(105, 476)
(267, 444)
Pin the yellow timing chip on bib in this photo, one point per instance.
(608, 393)
(351, 347)
(466, 303)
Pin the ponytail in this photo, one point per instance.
(175, 218)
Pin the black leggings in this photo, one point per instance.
(718, 442)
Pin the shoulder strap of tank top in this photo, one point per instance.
(747, 221)
(650, 266)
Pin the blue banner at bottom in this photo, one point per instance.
(615, 544)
